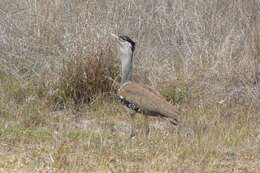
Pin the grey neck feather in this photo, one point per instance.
(127, 67)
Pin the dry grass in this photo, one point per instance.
(82, 79)
(96, 140)
(57, 56)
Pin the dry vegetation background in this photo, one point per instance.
(57, 62)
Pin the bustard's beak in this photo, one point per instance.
(115, 36)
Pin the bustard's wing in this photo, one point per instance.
(149, 101)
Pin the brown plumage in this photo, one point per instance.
(149, 101)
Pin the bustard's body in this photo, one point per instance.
(136, 97)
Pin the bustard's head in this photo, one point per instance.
(126, 45)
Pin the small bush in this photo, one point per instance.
(16, 90)
(176, 94)
(82, 79)
(33, 114)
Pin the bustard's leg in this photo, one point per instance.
(132, 113)
(133, 130)
(147, 128)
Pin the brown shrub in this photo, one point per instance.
(83, 78)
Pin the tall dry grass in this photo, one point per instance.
(211, 46)
(202, 55)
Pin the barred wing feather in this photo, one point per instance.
(149, 101)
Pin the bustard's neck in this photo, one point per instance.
(127, 67)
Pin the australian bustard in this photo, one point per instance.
(136, 97)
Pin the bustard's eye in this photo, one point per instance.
(122, 39)
(126, 39)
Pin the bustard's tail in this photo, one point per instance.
(165, 111)
(172, 119)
